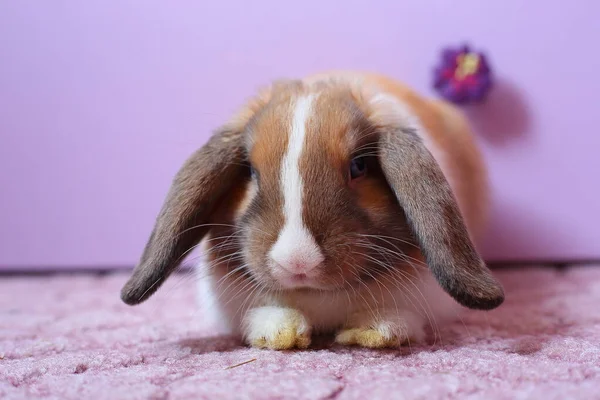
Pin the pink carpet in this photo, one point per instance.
(69, 337)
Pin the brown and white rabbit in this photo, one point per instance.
(341, 203)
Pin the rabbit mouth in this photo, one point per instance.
(301, 281)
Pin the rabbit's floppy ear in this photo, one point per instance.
(198, 187)
(434, 217)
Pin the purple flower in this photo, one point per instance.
(463, 76)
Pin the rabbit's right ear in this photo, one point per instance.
(434, 216)
(199, 186)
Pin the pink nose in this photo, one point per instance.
(297, 266)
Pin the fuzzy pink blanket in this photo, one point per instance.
(70, 337)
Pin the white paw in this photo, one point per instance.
(388, 330)
(276, 328)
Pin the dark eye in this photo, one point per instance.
(253, 173)
(358, 167)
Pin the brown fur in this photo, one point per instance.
(447, 128)
(405, 195)
(199, 187)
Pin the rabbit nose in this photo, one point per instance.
(296, 251)
(297, 266)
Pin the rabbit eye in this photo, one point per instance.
(358, 167)
(253, 173)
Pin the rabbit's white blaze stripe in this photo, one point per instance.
(295, 245)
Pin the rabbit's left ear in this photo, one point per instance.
(434, 216)
(198, 188)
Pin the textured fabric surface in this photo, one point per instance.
(69, 337)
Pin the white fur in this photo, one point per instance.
(406, 307)
(267, 322)
(210, 308)
(211, 312)
(402, 326)
(295, 247)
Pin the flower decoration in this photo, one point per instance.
(463, 75)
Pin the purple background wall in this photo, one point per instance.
(100, 101)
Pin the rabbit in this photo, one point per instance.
(341, 203)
